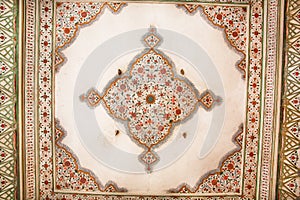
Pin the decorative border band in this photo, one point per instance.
(8, 98)
(289, 165)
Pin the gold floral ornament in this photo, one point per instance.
(151, 98)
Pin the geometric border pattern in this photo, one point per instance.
(8, 90)
(270, 111)
(289, 179)
(29, 100)
(45, 98)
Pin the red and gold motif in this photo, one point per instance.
(72, 15)
(253, 106)
(227, 179)
(151, 99)
(70, 176)
(234, 22)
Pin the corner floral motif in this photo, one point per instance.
(227, 179)
(151, 98)
(232, 20)
(70, 16)
(69, 176)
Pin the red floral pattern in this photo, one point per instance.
(227, 180)
(151, 98)
(236, 14)
(151, 80)
(72, 15)
(68, 174)
(233, 20)
(252, 123)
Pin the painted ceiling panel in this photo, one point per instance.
(156, 99)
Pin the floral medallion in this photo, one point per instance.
(151, 98)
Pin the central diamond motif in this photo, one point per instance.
(151, 98)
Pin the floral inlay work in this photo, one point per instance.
(70, 175)
(226, 178)
(233, 20)
(72, 15)
(151, 98)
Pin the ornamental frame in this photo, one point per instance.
(20, 106)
